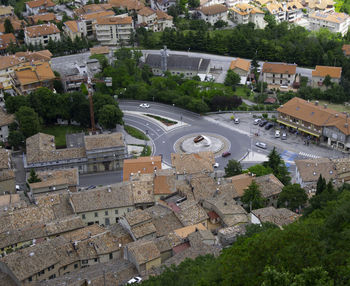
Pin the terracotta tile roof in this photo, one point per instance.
(185, 231)
(143, 251)
(39, 3)
(323, 71)
(256, 10)
(104, 141)
(6, 118)
(311, 169)
(146, 11)
(35, 72)
(96, 15)
(241, 64)
(164, 182)
(143, 230)
(102, 50)
(51, 178)
(181, 248)
(294, 5)
(191, 213)
(279, 217)
(108, 197)
(127, 4)
(43, 55)
(213, 215)
(275, 7)
(6, 10)
(41, 30)
(6, 200)
(46, 17)
(144, 165)
(213, 9)
(16, 24)
(92, 8)
(142, 188)
(6, 40)
(6, 175)
(163, 16)
(346, 50)
(9, 61)
(281, 68)
(114, 21)
(241, 183)
(315, 114)
(203, 186)
(330, 17)
(269, 185)
(137, 217)
(72, 25)
(193, 163)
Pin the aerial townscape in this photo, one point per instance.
(175, 142)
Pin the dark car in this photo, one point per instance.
(225, 154)
(263, 123)
(269, 126)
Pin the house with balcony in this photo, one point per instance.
(38, 6)
(212, 14)
(279, 74)
(321, 72)
(114, 30)
(162, 5)
(294, 11)
(334, 22)
(277, 10)
(243, 13)
(324, 125)
(41, 34)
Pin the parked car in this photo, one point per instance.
(91, 187)
(284, 136)
(144, 105)
(199, 138)
(237, 121)
(216, 165)
(226, 154)
(263, 123)
(257, 121)
(261, 145)
(269, 126)
(135, 279)
(277, 134)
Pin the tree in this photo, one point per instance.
(220, 24)
(33, 177)
(8, 26)
(292, 197)
(109, 116)
(15, 139)
(193, 4)
(232, 79)
(252, 197)
(233, 168)
(321, 185)
(253, 228)
(278, 167)
(327, 81)
(13, 103)
(28, 120)
(260, 170)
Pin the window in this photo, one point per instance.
(83, 216)
(95, 259)
(65, 267)
(107, 221)
(52, 276)
(116, 211)
(84, 262)
(30, 279)
(51, 267)
(75, 266)
(106, 212)
(96, 214)
(111, 256)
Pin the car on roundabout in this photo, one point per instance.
(144, 105)
(226, 154)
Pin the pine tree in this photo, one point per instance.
(321, 185)
(33, 177)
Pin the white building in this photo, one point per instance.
(114, 30)
(38, 6)
(320, 73)
(276, 9)
(334, 22)
(244, 13)
(5, 120)
(279, 74)
(213, 13)
(41, 34)
(207, 3)
(162, 5)
(154, 20)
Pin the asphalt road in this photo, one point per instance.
(164, 140)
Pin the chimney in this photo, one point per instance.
(325, 106)
(316, 102)
(336, 115)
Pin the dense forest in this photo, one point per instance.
(315, 250)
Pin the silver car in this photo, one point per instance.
(261, 145)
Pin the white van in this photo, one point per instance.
(277, 134)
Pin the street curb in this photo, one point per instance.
(244, 156)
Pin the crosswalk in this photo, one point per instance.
(308, 155)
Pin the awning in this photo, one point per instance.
(282, 122)
(309, 132)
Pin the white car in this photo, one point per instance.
(144, 105)
(135, 279)
(261, 145)
(277, 134)
(257, 121)
(216, 165)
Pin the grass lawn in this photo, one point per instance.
(60, 131)
(135, 133)
(336, 107)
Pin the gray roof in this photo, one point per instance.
(179, 62)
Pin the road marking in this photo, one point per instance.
(308, 155)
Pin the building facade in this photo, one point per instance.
(334, 22)
(41, 34)
(279, 74)
(212, 14)
(321, 72)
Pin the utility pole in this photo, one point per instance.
(92, 115)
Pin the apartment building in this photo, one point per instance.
(87, 22)
(131, 6)
(277, 10)
(279, 74)
(154, 20)
(320, 72)
(6, 40)
(243, 13)
(44, 18)
(212, 14)
(104, 205)
(334, 22)
(325, 125)
(162, 5)
(114, 30)
(41, 34)
(38, 6)
(6, 11)
(294, 11)
(73, 29)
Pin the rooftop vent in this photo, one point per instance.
(31, 254)
(336, 115)
(325, 106)
(314, 173)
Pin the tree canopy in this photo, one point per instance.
(233, 168)
(252, 197)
